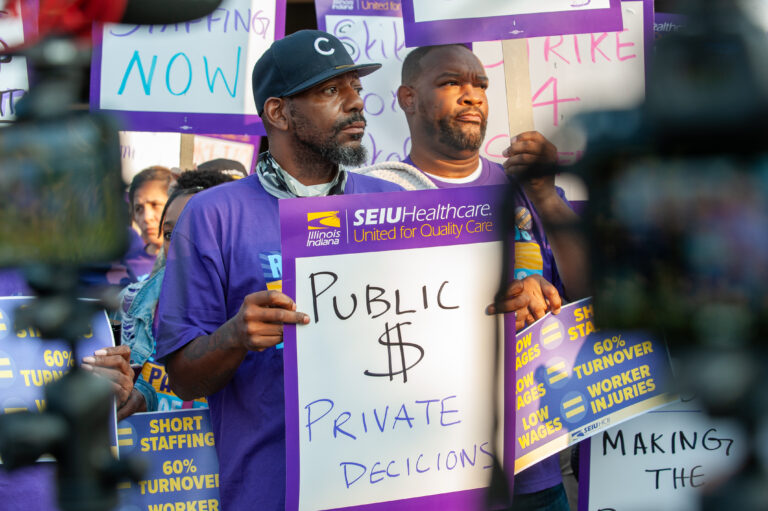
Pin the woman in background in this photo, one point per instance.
(139, 302)
(147, 196)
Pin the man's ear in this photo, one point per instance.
(276, 113)
(406, 98)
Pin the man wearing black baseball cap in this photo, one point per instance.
(220, 314)
(307, 92)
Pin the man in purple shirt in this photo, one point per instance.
(443, 97)
(220, 312)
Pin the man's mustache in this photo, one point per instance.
(473, 110)
(357, 117)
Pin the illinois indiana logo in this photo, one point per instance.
(324, 228)
(323, 220)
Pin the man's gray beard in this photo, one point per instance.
(348, 156)
(452, 136)
(328, 150)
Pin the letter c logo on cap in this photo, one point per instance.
(321, 51)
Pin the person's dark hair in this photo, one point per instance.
(202, 178)
(412, 62)
(193, 181)
(153, 173)
(225, 165)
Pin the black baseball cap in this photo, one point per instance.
(299, 61)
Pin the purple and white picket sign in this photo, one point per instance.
(373, 33)
(14, 74)
(457, 21)
(179, 450)
(241, 148)
(574, 381)
(192, 77)
(389, 391)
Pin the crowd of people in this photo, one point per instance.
(198, 301)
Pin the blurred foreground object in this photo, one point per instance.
(61, 185)
(62, 208)
(678, 216)
(57, 17)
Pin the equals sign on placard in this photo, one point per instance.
(574, 406)
(6, 370)
(124, 437)
(556, 372)
(551, 335)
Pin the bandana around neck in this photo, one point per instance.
(272, 178)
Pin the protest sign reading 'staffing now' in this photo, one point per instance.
(390, 389)
(192, 77)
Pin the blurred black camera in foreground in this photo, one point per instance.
(62, 192)
(62, 207)
(677, 221)
(679, 188)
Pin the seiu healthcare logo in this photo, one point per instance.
(324, 228)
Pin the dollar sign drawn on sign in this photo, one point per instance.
(386, 340)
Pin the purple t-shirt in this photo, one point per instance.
(532, 255)
(225, 246)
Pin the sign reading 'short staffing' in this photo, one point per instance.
(183, 468)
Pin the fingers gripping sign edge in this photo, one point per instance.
(263, 315)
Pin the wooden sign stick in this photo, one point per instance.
(186, 152)
(517, 79)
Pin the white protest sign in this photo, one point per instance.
(662, 460)
(417, 421)
(390, 389)
(569, 75)
(378, 39)
(436, 10)
(14, 82)
(140, 149)
(211, 148)
(201, 67)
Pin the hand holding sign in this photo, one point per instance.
(113, 363)
(530, 299)
(261, 318)
(526, 150)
